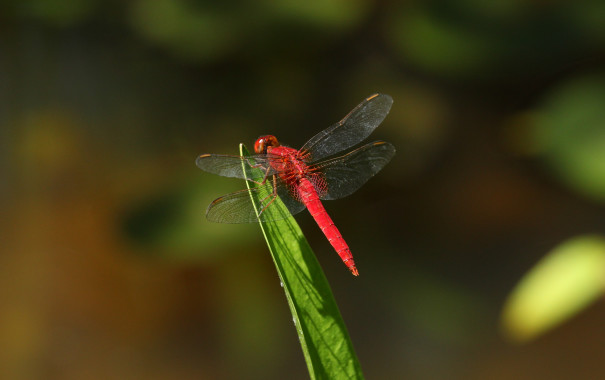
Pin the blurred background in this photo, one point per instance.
(108, 268)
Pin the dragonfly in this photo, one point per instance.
(305, 177)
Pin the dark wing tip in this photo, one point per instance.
(387, 144)
(379, 94)
(200, 159)
(386, 147)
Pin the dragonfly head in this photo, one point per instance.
(263, 142)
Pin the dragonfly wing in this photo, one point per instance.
(289, 199)
(351, 130)
(240, 207)
(232, 166)
(345, 174)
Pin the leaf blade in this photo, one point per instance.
(323, 335)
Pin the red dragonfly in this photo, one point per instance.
(302, 178)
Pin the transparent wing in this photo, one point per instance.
(231, 166)
(239, 207)
(351, 130)
(345, 174)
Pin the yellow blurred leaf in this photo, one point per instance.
(563, 283)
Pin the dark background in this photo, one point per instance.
(108, 268)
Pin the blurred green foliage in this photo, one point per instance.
(104, 107)
(569, 134)
(207, 31)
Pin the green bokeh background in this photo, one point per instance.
(108, 268)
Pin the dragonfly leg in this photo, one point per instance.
(259, 166)
(272, 196)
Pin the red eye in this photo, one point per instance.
(263, 142)
(259, 145)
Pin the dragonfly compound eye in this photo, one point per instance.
(263, 142)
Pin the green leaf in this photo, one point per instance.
(562, 284)
(322, 333)
(568, 133)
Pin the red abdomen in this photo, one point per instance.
(295, 173)
(308, 195)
